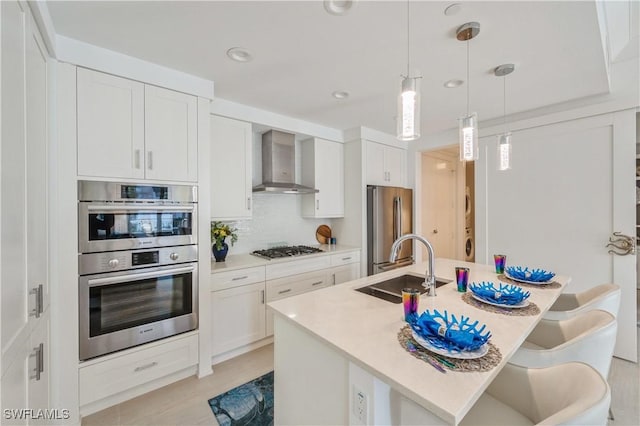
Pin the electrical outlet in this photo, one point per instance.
(360, 403)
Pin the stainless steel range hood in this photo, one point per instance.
(278, 165)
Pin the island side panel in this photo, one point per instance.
(311, 379)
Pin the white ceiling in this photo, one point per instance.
(302, 54)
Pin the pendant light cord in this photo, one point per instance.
(468, 82)
(504, 102)
(408, 23)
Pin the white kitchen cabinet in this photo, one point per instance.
(344, 267)
(323, 169)
(231, 167)
(386, 165)
(136, 367)
(171, 135)
(343, 274)
(110, 125)
(237, 317)
(24, 180)
(127, 129)
(290, 286)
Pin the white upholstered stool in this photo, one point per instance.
(605, 297)
(567, 394)
(588, 337)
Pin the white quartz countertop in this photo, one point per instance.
(241, 261)
(364, 329)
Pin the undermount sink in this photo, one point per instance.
(391, 289)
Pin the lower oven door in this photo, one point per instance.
(124, 309)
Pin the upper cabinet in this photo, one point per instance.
(231, 149)
(385, 165)
(127, 129)
(323, 169)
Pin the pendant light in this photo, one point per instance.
(504, 139)
(408, 120)
(468, 125)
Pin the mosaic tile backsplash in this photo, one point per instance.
(277, 220)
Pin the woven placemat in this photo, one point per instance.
(530, 310)
(505, 279)
(484, 363)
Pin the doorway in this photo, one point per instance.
(447, 205)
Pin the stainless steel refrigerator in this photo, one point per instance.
(389, 216)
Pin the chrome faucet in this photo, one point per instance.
(429, 275)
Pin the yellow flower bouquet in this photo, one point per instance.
(219, 233)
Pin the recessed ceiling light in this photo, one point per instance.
(338, 7)
(340, 94)
(450, 84)
(453, 9)
(239, 54)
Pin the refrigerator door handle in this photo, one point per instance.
(397, 220)
(400, 232)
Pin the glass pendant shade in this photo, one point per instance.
(468, 135)
(409, 109)
(504, 151)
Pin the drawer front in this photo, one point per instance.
(239, 277)
(296, 267)
(100, 380)
(345, 258)
(298, 284)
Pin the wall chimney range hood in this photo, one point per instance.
(278, 165)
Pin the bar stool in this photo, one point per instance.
(588, 337)
(568, 394)
(605, 297)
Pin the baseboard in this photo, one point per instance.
(217, 359)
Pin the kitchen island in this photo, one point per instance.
(338, 359)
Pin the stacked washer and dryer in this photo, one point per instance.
(469, 214)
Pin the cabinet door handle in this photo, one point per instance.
(317, 204)
(240, 278)
(284, 291)
(39, 356)
(137, 158)
(346, 258)
(39, 299)
(248, 203)
(145, 367)
(317, 283)
(334, 279)
(150, 160)
(262, 294)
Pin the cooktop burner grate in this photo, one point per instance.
(287, 251)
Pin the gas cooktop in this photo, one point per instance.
(287, 251)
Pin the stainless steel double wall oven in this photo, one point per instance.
(138, 269)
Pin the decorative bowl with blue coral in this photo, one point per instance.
(446, 334)
(529, 276)
(505, 295)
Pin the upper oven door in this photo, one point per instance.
(124, 226)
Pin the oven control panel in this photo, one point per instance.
(95, 263)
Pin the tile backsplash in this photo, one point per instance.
(277, 219)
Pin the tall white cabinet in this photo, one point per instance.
(230, 159)
(23, 213)
(323, 169)
(131, 130)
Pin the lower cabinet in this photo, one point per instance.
(237, 317)
(290, 286)
(119, 373)
(239, 312)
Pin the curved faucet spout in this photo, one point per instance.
(430, 276)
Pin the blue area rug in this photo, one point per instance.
(248, 404)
